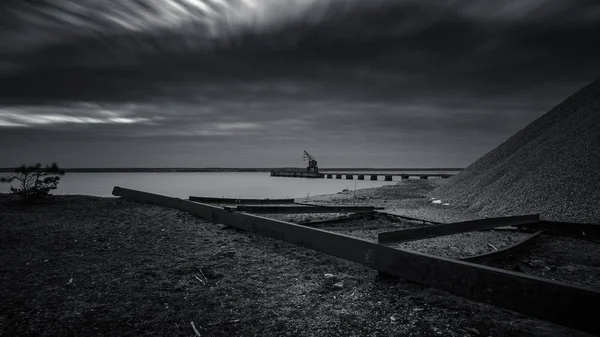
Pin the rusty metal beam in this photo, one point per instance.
(504, 252)
(397, 216)
(550, 300)
(576, 230)
(211, 200)
(302, 209)
(419, 233)
(338, 220)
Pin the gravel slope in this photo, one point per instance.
(550, 167)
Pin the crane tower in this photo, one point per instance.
(312, 163)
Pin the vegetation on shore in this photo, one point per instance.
(34, 182)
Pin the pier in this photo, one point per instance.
(297, 174)
(385, 176)
(360, 175)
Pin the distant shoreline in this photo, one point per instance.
(226, 169)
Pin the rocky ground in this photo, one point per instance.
(104, 266)
(558, 258)
(408, 198)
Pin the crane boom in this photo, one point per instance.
(307, 156)
(312, 163)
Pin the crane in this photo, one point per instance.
(312, 162)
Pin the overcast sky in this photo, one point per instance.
(252, 83)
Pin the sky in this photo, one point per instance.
(253, 83)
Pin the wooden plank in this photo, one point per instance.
(211, 200)
(419, 233)
(550, 300)
(504, 252)
(302, 209)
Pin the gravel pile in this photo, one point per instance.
(550, 167)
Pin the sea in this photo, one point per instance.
(206, 184)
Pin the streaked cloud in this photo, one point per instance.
(42, 116)
(420, 79)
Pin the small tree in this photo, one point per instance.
(35, 182)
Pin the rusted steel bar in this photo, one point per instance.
(302, 209)
(212, 200)
(419, 233)
(504, 252)
(409, 218)
(338, 220)
(576, 230)
(550, 300)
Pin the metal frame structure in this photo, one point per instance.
(558, 302)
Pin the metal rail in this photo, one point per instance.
(576, 230)
(212, 200)
(403, 217)
(338, 220)
(419, 233)
(504, 252)
(302, 209)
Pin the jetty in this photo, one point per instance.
(386, 176)
(297, 174)
(359, 176)
(312, 171)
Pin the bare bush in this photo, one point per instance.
(34, 182)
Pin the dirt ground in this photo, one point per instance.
(105, 266)
(558, 258)
(407, 198)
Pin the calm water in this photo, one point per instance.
(229, 185)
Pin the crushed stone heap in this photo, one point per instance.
(551, 167)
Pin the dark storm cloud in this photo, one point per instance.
(428, 44)
(373, 72)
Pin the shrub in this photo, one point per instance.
(34, 182)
